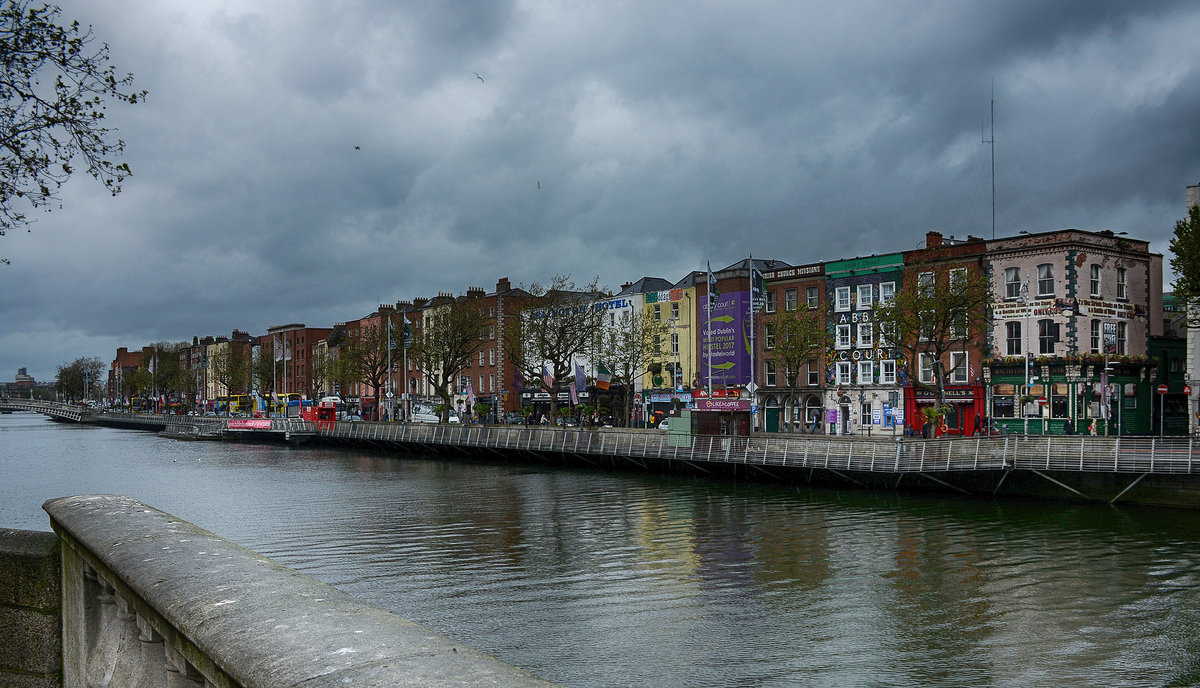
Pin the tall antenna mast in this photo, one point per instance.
(992, 142)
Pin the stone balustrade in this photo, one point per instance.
(152, 601)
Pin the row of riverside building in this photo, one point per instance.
(1084, 310)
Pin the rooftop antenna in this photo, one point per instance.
(991, 141)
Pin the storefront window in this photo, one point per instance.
(1003, 401)
(1058, 400)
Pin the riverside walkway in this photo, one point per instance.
(1151, 470)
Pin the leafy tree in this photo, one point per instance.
(366, 353)
(162, 363)
(632, 348)
(54, 85)
(79, 379)
(445, 344)
(557, 324)
(1185, 261)
(795, 339)
(941, 307)
(265, 370)
(231, 369)
(320, 367)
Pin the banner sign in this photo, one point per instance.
(726, 339)
(249, 423)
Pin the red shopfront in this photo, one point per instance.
(968, 409)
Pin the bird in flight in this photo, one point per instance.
(479, 77)
(357, 148)
(539, 185)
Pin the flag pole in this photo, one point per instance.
(708, 327)
(391, 377)
(753, 366)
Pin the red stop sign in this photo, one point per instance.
(1162, 389)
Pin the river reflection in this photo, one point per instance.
(597, 579)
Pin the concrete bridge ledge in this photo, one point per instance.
(242, 619)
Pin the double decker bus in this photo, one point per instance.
(241, 403)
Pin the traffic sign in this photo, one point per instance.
(1187, 389)
(1162, 389)
(1042, 401)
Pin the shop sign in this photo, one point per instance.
(660, 398)
(954, 396)
(723, 404)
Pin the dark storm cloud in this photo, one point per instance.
(305, 162)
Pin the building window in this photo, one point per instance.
(1058, 400)
(1122, 331)
(866, 373)
(491, 357)
(843, 336)
(1003, 401)
(1012, 338)
(865, 332)
(481, 356)
(958, 367)
(658, 311)
(887, 372)
(958, 279)
(812, 296)
(658, 343)
(1045, 273)
(1095, 336)
(675, 310)
(492, 382)
(843, 372)
(770, 373)
(813, 373)
(925, 285)
(864, 296)
(1012, 283)
(789, 299)
(843, 299)
(887, 292)
(1122, 284)
(769, 336)
(492, 332)
(925, 368)
(1095, 284)
(1047, 336)
(771, 301)
(675, 343)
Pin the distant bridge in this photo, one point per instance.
(76, 413)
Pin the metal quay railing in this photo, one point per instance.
(1057, 453)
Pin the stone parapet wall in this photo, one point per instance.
(30, 610)
(151, 600)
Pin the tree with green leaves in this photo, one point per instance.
(55, 83)
(942, 307)
(557, 324)
(450, 336)
(794, 339)
(79, 379)
(231, 369)
(367, 352)
(631, 348)
(1185, 261)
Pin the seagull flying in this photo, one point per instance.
(479, 77)
(357, 148)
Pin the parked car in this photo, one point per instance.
(662, 426)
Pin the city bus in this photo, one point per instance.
(241, 403)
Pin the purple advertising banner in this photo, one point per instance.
(726, 338)
(723, 404)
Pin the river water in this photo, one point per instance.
(597, 579)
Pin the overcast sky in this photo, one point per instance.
(307, 161)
